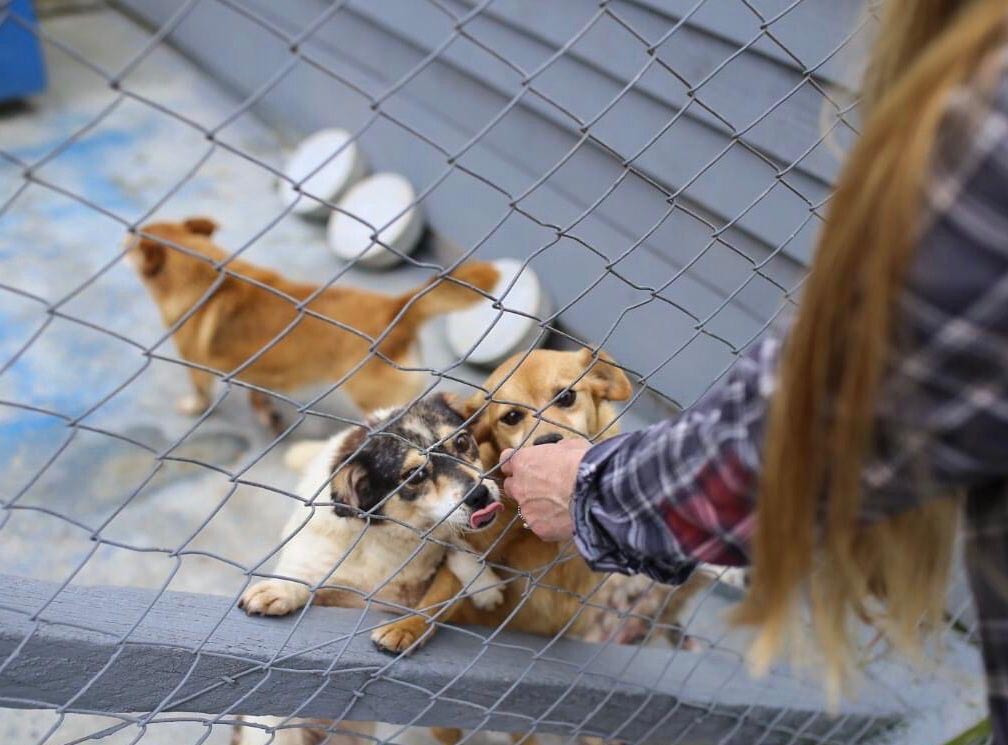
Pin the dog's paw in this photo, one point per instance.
(486, 591)
(734, 577)
(192, 404)
(487, 599)
(592, 740)
(273, 597)
(615, 630)
(399, 636)
(631, 630)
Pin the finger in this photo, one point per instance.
(505, 462)
(509, 488)
(545, 533)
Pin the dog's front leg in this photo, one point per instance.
(196, 402)
(484, 586)
(438, 603)
(266, 411)
(306, 559)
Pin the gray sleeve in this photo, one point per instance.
(943, 411)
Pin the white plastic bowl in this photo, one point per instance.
(512, 332)
(374, 202)
(331, 180)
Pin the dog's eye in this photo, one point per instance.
(414, 476)
(566, 398)
(513, 417)
(463, 441)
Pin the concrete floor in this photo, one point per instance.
(56, 247)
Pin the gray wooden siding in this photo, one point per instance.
(755, 192)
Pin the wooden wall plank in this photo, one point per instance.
(449, 106)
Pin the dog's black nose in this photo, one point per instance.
(548, 439)
(478, 497)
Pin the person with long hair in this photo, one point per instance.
(838, 454)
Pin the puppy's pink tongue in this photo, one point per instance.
(483, 516)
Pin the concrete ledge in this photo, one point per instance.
(114, 650)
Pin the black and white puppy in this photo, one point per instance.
(371, 496)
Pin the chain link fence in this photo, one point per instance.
(662, 166)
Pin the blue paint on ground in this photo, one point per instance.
(68, 368)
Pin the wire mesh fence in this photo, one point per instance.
(668, 206)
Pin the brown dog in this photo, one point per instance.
(547, 397)
(246, 329)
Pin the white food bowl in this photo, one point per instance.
(374, 202)
(512, 332)
(329, 181)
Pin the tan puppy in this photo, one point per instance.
(572, 392)
(550, 396)
(547, 397)
(244, 327)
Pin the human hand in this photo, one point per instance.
(541, 480)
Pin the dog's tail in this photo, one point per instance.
(445, 295)
(300, 454)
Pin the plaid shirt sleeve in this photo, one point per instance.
(658, 500)
(683, 491)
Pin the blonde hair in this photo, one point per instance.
(808, 543)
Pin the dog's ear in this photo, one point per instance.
(480, 426)
(454, 402)
(348, 488)
(607, 381)
(200, 225)
(349, 484)
(152, 255)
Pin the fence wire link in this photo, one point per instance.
(743, 721)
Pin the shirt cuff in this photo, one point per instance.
(598, 550)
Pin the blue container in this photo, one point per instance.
(22, 70)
